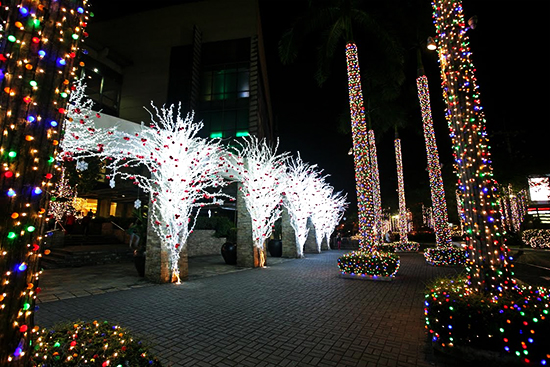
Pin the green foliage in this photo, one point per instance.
(89, 343)
(222, 225)
(515, 324)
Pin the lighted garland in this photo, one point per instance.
(487, 265)
(369, 264)
(536, 238)
(39, 43)
(439, 205)
(89, 343)
(516, 324)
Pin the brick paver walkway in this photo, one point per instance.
(296, 313)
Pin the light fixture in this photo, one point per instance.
(431, 45)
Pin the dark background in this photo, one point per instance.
(509, 46)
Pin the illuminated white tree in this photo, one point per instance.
(261, 171)
(338, 206)
(82, 137)
(298, 184)
(62, 197)
(183, 170)
(322, 208)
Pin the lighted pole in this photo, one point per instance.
(376, 198)
(439, 205)
(403, 239)
(361, 154)
(39, 41)
(486, 266)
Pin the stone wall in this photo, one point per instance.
(202, 242)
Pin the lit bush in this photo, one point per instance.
(375, 264)
(409, 246)
(536, 238)
(515, 325)
(445, 255)
(89, 343)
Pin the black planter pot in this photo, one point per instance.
(139, 262)
(229, 253)
(275, 248)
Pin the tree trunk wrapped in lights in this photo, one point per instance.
(487, 267)
(439, 205)
(261, 172)
(39, 43)
(403, 227)
(361, 152)
(184, 170)
(377, 200)
(404, 243)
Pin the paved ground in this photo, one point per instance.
(292, 313)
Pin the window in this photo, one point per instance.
(225, 82)
(103, 86)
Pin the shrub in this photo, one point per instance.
(536, 238)
(375, 264)
(515, 324)
(447, 255)
(409, 246)
(222, 225)
(387, 247)
(89, 343)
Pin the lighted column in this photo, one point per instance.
(377, 200)
(360, 150)
(440, 219)
(403, 239)
(38, 48)
(486, 266)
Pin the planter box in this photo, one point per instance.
(366, 277)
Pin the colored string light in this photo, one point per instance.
(361, 154)
(28, 98)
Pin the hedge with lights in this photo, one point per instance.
(89, 343)
(372, 264)
(514, 325)
(408, 246)
(445, 255)
(536, 238)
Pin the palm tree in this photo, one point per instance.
(334, 21)
(487, 266)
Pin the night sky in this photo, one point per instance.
(512, 74)
(508, 48)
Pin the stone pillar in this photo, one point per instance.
(157, 264)
(247, 257)
(311, 244)
(288, 236)
(184, 264)
(157, 260)
(324, 244)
